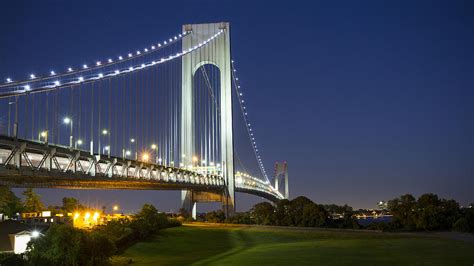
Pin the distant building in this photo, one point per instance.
(15, 235)
(43, 218)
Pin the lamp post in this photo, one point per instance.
(44, 135)
(154, 148)
(78, 143)
(104, 132)
(132, 140)
(68, 121)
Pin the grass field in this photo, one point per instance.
(216, 245)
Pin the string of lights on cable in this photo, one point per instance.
(57, 84)
(250, 131)
(98, 64)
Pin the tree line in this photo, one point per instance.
(427, 213)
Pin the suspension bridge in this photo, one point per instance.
(171, 116)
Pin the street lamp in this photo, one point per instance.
(107, 149)
(154, 149)
(132, 140)
(104, 132)
(145, 157)
(68, 121)
(115, 208)
(44, 135)
(78, 143)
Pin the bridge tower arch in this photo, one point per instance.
(219, 57)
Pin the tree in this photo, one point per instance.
(71, 204)
(32, 201)
(148, 221)
(282, 213)
(65, 245)
(295, 211)
(314, 215)
(263, 213)
(10, 204)
(215, 216)
(403, 210)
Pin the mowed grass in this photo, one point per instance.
(217, 245)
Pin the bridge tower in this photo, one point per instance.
(281, 169)
(220, 58)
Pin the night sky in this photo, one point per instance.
(366, 100)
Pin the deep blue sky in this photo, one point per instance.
(366, 100)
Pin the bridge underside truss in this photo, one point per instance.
(25, 163)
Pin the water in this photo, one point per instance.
(369, 220)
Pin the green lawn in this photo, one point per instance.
(269, 246)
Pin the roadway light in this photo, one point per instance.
(160, 160)
(69, 69)
(56, 83)
(44, 134)
(128, 153)
(153, 146)
(53, 73)
(32, 76)
(27, 87)
(115, 208)
(104, 132)
(145, 157)
(67, 120)
(132, 140)
(195, 158)
(35, 234)
(80, 79)
(84, 66)
(107, 148)
(79, 142)
(9, 80)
